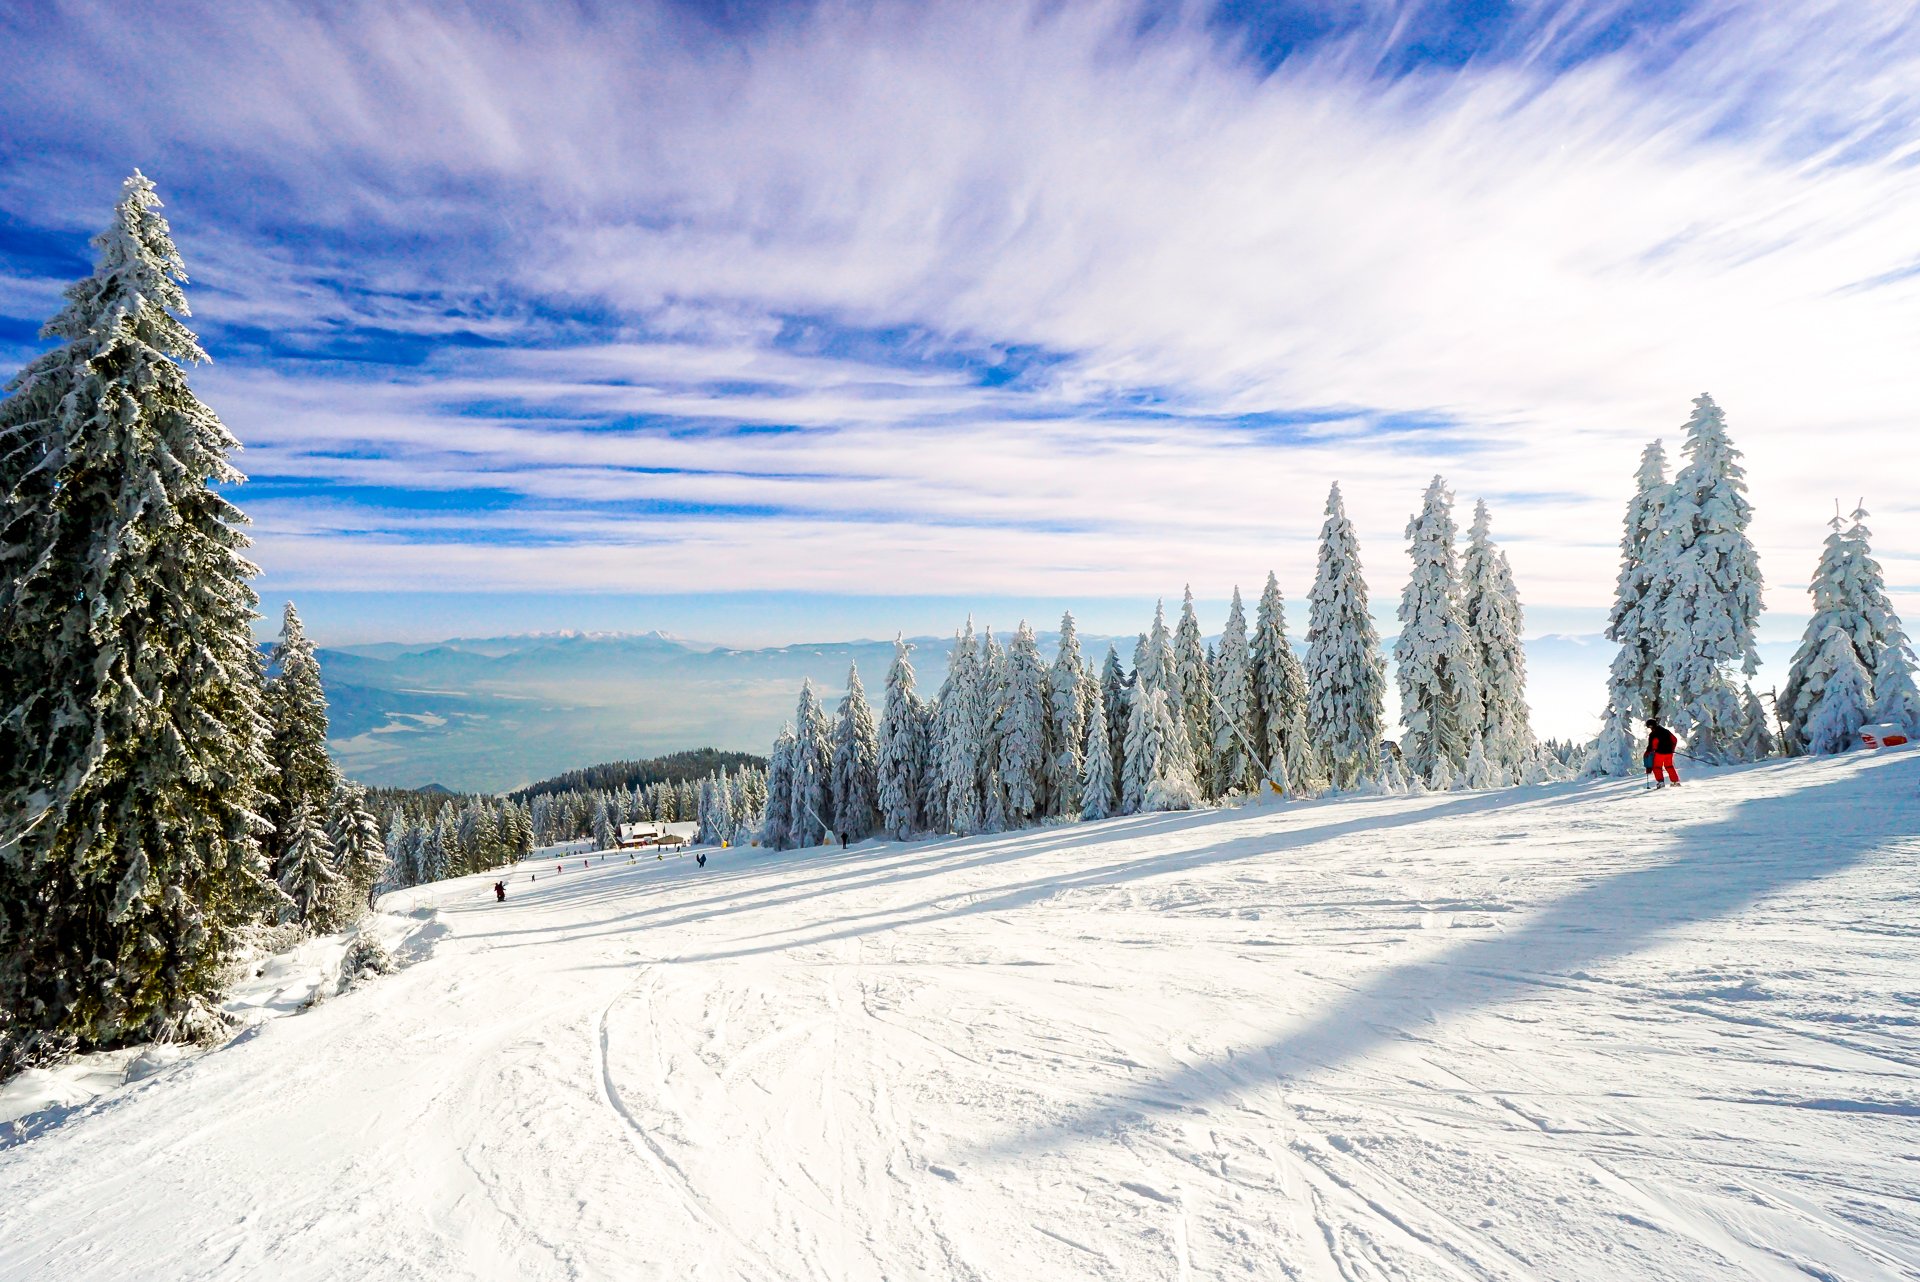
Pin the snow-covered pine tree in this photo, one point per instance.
(722, 805)
(1113, 699)
(1494, 627)
(1706, 589)
(1346, 675)
(856, 763)
(1193, 681)
(812, 821)
(1757, 741)
(131, 734)
(903, 749)
(1068, 706)
(1280, 692)
(305, 871)
(1433, 657)
(296, 708)
(1849, 592)
(359, 851)
(1022, 731)
(962, 713)
(1634, 623)
(1234, 708)
(1099, 796)
(1836, 694)
(776, 825)
(1154, 775)
(1153, 663)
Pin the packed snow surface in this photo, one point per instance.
(1581, 1032)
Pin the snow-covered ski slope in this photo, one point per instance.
(1581, 1032)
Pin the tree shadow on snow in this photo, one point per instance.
(1762, 848)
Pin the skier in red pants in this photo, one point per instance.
(1660, 748)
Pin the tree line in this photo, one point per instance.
(1011, 740)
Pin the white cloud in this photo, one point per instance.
(1551, 262)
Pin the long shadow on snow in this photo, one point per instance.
(958, 903)
(1763, 847)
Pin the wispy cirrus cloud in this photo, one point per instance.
(1035, 298)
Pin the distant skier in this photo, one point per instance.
(843, 841)
(500, 892)
(701, 859)
(1661, 745)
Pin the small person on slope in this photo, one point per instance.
(1661, 744)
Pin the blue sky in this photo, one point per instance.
(770, 322)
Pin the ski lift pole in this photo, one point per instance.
(1278, 785)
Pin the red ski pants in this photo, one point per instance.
(1663, 767)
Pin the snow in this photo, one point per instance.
(1570, 1032)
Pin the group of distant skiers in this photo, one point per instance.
(500, 887)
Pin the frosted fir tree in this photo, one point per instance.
(296, 708)
(1849, 592)
(903, 749)
(1837, 694)
(1234, 709)
(933, 792)
(359, 851)
(1491, 604)
(1113, 700)
(856, 763)
(722, 808)
(1706, 590)
(1758, 742)
(1099, 794)
(776, 825)
(1836, 603)
(1022, 727)
(1153, 774)
(1070, 696)
(1346, 675)
(962, 736)
(1434, 656)
(1193, 683)
(305, 871)
(133, 745)
(812, 819)
(1280, 691)
(1633, 624)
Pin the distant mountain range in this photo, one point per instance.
(493, 713)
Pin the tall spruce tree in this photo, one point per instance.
(813, 821)
(1099, 796)
(1494, 627)
(359, 851)
(1022, 732)
(776, 826)
(1849, 592)
(1069, 696)
(304, 775)
(1280, 688)
(962, 735)
(1193, 684)
(856, 762)
(131, 736)
(1707, 590)
(306, 872)
(1113, 699)
(1634, 624)
(1235, 704)
(1836, 693)
(1346, 674)
(1433, 656)
(903, 749)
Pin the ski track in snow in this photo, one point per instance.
(1578, 1032)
